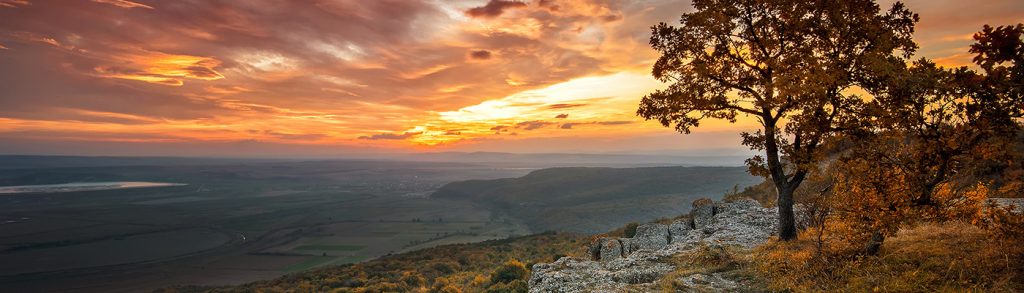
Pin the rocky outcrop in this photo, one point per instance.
(630, 264)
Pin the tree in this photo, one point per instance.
(999, 51)
(788, 63)
(931, 126)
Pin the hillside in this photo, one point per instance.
(592, 200)
(470, 267)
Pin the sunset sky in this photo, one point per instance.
(342, 77)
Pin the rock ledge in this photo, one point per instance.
(630, 264)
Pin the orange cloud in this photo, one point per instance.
(13, 3)
(161, 68)
(955, 60)
(124, 3)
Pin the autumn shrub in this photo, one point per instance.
(1002, 221)
(517, 286)
(413, 279)
(444, 285)
(510, 271)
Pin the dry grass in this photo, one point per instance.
(949, 257)
(730, 261)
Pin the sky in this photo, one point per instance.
(347, 77)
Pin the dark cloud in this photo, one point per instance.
(565, 106)
(549, 5)
(562, 116)
(390, 136)
(298, 137)
(500, 128)
(613, 122)
(531, 125)
(570, 125)
(611, 17)
(494, 8)
(480, 54)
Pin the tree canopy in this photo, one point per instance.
(791, 64)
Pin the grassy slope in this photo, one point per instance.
(466, 266)
(931, 257)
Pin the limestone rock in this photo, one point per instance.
(627, 246)
(708, 283)
(611, 249)
(743, 223)
(1016, 203)
(651, 236)
(703, 215)
(678, 230)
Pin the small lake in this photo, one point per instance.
(82, 186)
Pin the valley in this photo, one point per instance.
(136, 224)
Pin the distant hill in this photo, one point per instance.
(591, 200)
(570, 159)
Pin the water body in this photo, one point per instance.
(81, 186)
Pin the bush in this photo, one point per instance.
(413, 279)
(510, 271)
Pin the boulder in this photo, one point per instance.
(611, 249)
(652, 236)
(678, 230)
(703, 215)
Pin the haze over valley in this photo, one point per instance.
(230, 221)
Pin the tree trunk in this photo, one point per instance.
(874, 245)
(787, 220)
